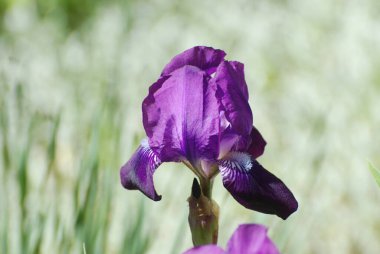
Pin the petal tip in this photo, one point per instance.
(292, 208)
(202, 57)
(137, 172)
(256, 188)
(157, 198)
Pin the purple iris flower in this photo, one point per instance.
(247, 239)
(197, 113)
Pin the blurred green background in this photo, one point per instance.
(73, 75)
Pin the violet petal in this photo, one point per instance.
(254, 187)
(257, 146)
(251, 239)
(205, 58)
(205, 249)
(137, 173)
(232, 92)
(181, 116)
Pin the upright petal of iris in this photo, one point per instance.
(232, 93)
(181, 117)
(205, 58)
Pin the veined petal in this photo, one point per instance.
(251, 239)
(254, 187)
(257, 146)
(206, 249)
(181, 117)
(205, 58)
(232, 93)
(137, 173)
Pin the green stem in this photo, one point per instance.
(206, 187)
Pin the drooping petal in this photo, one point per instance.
(254, 187)
(232, 93)
(181, 116)
(137, 173)
(251, 239)
(257, 146)
(205, 58)
(205, 249)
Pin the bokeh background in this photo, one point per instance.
(73, 75)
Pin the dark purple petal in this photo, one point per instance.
(254, 187)
(137, 173)
(257, 146)
(205, 249)
(251, 239)
(238, 76)
(232, 93)
(181, 116)
(205, 58)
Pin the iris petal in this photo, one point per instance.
(254, 187)
(205, 58)
(232, 92)
(181, 117)
(206, 249)
(257, 145)
(137, 173)
(252, 239)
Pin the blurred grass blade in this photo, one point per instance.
(137, 241)
(4, 135)
(179, 235)
(51, 149)
(375, 173)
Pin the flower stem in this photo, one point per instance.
(206, 187)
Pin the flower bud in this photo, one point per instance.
(203, 217)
